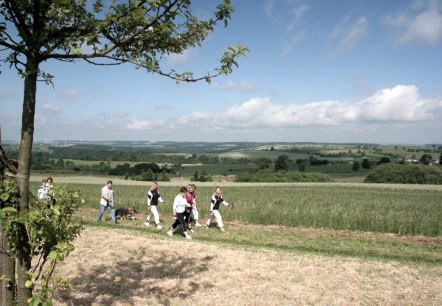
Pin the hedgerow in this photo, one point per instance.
(405, 174)
(268, 176)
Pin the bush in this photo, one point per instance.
(283, 177)
(405, 174)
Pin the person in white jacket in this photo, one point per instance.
(179, 208)
(216, 201)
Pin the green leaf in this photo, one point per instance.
(9, 210)
(53, 255)
(29, 284)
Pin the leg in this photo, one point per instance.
(219, 219)
(182, 222)
(156, 216)
(195, 217)
(211, 217)
(112, 212)
(100, 212)
(173, 227)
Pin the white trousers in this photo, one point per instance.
(154, 212)
(195, 214)
(216, 215)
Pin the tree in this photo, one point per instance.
(366, 164)
(426, 159)
(282, 163)
(356, 166)
(383, 160)
(139, 32)
(264, 163)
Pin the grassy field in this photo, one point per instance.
(315, 244)
(401, 209)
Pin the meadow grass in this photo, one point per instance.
(354, 207)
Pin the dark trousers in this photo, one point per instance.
(180, 221)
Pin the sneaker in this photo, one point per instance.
(159, 227)
(146, 223)
(192, 230)
(188, 236)
(221, 229)
(197, 224)
(169, 233)
(206, 226)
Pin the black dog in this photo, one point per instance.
(125, 213)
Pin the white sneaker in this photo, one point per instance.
(169, 233)
(221, 229)
(188, 236)
(197, 224)
(146, 223)
(159, 227)
(192, 230)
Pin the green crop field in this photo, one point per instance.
(401, 209)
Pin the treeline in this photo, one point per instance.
(267, 176)
(405, 174)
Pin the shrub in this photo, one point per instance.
(283, 177)
(405, 174)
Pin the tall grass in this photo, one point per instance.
(357, 208)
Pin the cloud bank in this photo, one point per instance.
(400, 104)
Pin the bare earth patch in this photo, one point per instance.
(118, 267)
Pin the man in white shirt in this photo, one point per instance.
(107, 201)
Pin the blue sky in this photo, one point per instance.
(321, 71)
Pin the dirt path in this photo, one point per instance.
(125, 268)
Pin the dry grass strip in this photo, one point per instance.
(117, 267)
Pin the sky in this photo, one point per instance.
(336, 71)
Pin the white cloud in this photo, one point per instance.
(422, 24)
(296, 38)
(139, 125)
(297, 13)
(176, 60)
(289, 17)
(50, 108)
(244, 87)
(268, 8)
(395, 115)
(71, 94)
(400, 104)
(347, 34)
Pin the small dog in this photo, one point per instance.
(125, 213)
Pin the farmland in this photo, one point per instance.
(354, 243)
(407, 211)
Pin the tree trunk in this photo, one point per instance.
(24, 167)
(7, 273)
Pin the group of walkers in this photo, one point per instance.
(185, 208)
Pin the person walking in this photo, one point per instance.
(195, 214)
(42, 191)
(153, 197)
(107, 201)
(215, 202)
(50, 192)
(179, 208)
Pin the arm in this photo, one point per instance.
(149, 198)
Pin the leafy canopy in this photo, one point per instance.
(109, 33)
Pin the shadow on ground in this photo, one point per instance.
(155, 278)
